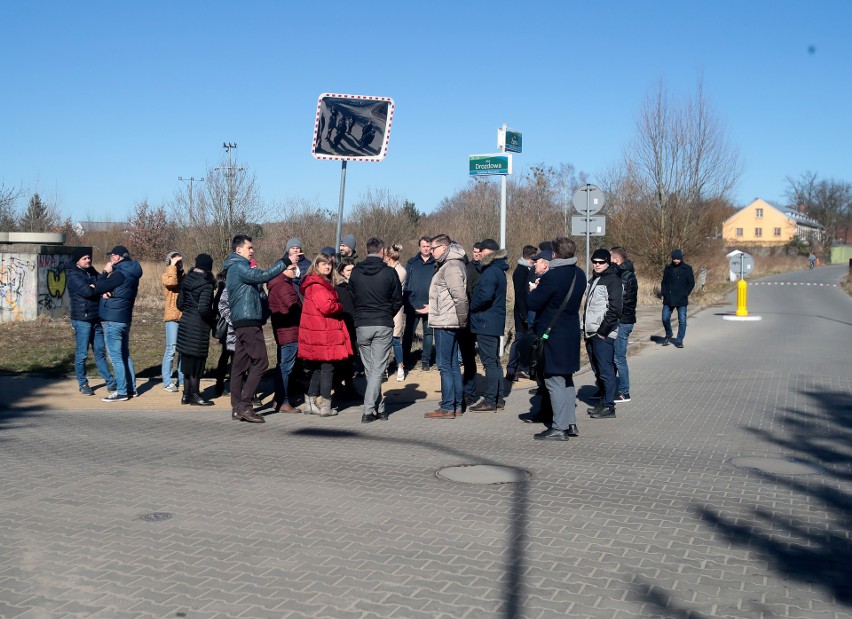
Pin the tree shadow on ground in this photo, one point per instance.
(513, 589)
(17, 388)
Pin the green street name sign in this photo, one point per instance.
(499, 163)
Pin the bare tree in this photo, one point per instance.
(678, 164)
(827, 201)
(378, 213)
(8, 198)
(226, 204)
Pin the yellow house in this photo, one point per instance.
(760, 223)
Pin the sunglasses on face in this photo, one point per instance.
(598, 261)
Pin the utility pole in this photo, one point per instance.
(229, 170)
(189, 181)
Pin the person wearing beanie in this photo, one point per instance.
(85, 320)
(195, 301)
(347, 249)
(286, 311)
(604, 302)
(117, 286)
(171, 279)
(297, 257)
(678, 282)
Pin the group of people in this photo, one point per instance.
(338, 314)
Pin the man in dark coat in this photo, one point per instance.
(118, 285)
(678, 282)
(419, 271)
(520, 282)
(630, 288)
(85, 320)
(250, 357)
(562, 348)
(488, 320)
(378, 297)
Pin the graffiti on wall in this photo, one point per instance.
(14, 273)
(52, 282)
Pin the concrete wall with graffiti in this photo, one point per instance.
(33, 285)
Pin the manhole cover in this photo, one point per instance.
(156, 517)
(483, 474)
(778, 466)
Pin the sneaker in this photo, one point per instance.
(424, 367)
(622, 397)
(400, 374)
(171, 388)
(523, 374)
(115, 396)
(86, 390)
(666, 341)
(678, 344)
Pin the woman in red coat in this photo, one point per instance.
(323, 337)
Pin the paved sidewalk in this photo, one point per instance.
(642, 516)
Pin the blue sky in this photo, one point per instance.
(105, 104)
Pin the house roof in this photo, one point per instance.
(788, 212)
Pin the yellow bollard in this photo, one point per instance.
(742, 293)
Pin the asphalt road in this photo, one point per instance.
(724, 489)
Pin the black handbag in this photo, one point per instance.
(530, 349)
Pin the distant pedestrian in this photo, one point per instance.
(85, 320)
(630, 289)
(347, 249)
(195, 301)
(448, 312)
(228, 341)
(678, 282)
(171, 280)
(604, 299)
(118, 286)
(296, 254)
(419, 271)
(378, 297)
(344, 370)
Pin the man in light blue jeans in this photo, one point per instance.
(630, 289)
(117, 336)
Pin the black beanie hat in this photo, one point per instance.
(204, 262)
(677, 255)
(601, 254)
(79, 252)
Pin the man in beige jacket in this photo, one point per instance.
(448, 312)
(171, 315)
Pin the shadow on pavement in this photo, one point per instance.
(513, 593)
(15, 388)
(809, 552)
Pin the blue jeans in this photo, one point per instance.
(397, 352)
(169, 355)
(601, 353)
(286, 360)
(621, 357)
(90, 334)
(411, 320)
(681, 321)
(447, 360)
(489, 354)
(117, 338)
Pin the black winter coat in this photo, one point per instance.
(562, 350)
(377, 293)
(630, 287)
(195, 300)
(84, 299)
(417, 281)
(520, 281)
(347, 300)
(488, 301)
(678, 282)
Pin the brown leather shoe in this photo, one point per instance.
(251, 416)
(459, 412)
(287, 408)
(483, 407)
(439, 413)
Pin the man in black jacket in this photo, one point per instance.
(378, 297)
(419, 271)
(520, 283)
(85, 319)
(678, 282)
(630, 288)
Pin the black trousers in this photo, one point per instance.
(250, 362)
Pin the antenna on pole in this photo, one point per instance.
(229, 170)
